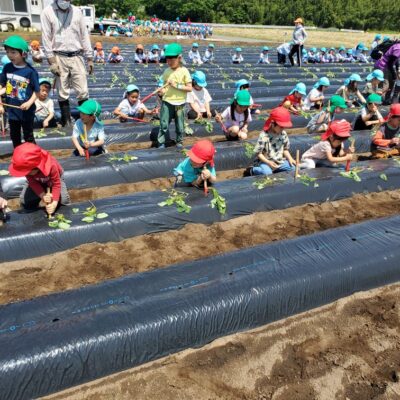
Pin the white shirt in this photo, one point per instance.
(313, 93)
(284, 49)
(200, 97)
(264, 58)
(44, 108)
(237, 57)
(239, 118)
(130, 109)
(194, 56)
(319, 151)
(208, 56)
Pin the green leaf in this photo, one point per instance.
(64, 225)
(383, 177)
(53, 224)
(75, 210)
(4, 172)
(163, 204)
(87, 219)
(101, 215)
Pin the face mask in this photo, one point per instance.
(63, 5)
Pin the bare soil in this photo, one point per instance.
(348, 350)
(93, 263)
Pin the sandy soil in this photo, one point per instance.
(92, 263)
(348, 350)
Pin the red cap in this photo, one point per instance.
(340, 128)
(27, 157)
(202, 151)
(394, 110)
(279, 115)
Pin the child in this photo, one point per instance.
(42, 172)
(209, 54)
(332, 55)
(349, 56)
(154, 56)
(329, 150)
(99, 56)
(376, 41)
(369, 115)
(198, 167)
(36, 52)
(174, 96)
(312, 56)
(131, 106)
(115, 56)
(283, 51)
(386, 141)
(272, 148)
(350, 92)
(140, 57)
(237, 58)
(194, 55)
(319, 122)
(94, 140)
(358, 50)
(44, 115)
(376, 83)
(19, 81)
(199, 99)
(293, 102)
(315, 98)
(264, 57)
(364, 57)
(341, 55)
(323, 56)
(237, 116)
(244, 84)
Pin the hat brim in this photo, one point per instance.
(44, 166)
(195, 158)
(287, 124)
(203, 85)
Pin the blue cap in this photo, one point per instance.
(313, 49)
(342, 48)
(155, 47)
(323, 49)
(353, 78)
(211, 45)
(304, 51)
(200, 78)
(378, 37)
(238, 49)
(386, 38)
(241, 82)
(265, 48)
(131, 87)
(350, 51)
(195, 45)
(300, 88)
(324, 81)
(377, 73)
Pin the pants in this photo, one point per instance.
(264, 169)
(169, 112)
(193, 114)
(27, 129)
(93, 151)
(390, 78)
(38, 122)
(281, 58)
(298, 50)
(309, 163)
(73, 75)
(30, 200)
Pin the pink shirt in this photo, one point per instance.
(319, 151)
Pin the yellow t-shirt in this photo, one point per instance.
(181, 76)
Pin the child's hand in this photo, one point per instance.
(273, 165)
(26, 106)
(209, 115)
(86, 144)
(170, 82)
(51, 207)
(348, 157)
(218, 118)
(155, 111)
(45, 124)
(1, 110)
(3, 203)
(81, 152)
(292, 161)
(205, 174)
(242, 135)
(48, 198)
(395, 141)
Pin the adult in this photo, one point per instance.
(66, 43)
(114, 14)
(387, 63)
(299, 37)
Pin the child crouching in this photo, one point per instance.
(44, 114)
(88, 133)
(198, 167)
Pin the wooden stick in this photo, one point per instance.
(49, 216)
(348, 162)
(10, 105)
(85, 135)
(3, 131)
(296, 171)
(153, 93)
(205, 185)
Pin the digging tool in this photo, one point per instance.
(10, 105)
(205, 185)
(296, 171)
(85, 135)
(3, 130)
(154, 93)
(348, 162)
(49, 216)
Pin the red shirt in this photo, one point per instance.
(294, 101)
(39, 182)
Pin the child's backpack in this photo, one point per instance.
(382, 48)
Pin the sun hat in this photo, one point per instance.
(115, 50)
(394, 110)
(139, 47)
(91, 107)
(353, 78)
(298, 20)
(27, 157)
(378, 37)
(300, 88)
(155, 47)
(200, 78)
(281, 116)
(98, 46)
(323, 49)
(238, 49)
(195, 45)
(211, 45)
(17, 42)
(324, 81)
(265, 48)
(377, 73)
(35, 44)
(243, 98)
(374, 98)
(338, 128)
(337, 101)
(173, 50)
(131, 87)
(202, 152)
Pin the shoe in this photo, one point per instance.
(248, 171)
(179, 146)
(65, 113)
(161, 146)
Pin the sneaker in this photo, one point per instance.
(248, 171)
(161, 146)
(179, 146)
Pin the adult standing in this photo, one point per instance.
(299, 37)
(66, 43)
(388, 64)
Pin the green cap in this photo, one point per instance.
(17, 42)
(337, 101)
(374, 98)
(173, 50)
(243, 98)
(90, 107)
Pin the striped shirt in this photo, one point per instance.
(64, 31)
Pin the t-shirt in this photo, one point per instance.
(130, 109)
(294, 101)
(239, 118)
(272, 147)
(319, 151)
(44, 108)
(190, 173)
(313, 93)
(201, 97)
(181, 76)
(94, 134)
(20, 84)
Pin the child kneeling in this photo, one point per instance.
(330, 149)
(198, 167)
(44, 177)
(88, 133)
(272, 148)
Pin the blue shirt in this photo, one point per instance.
(94, 134)
(190, 173)
(20, 84)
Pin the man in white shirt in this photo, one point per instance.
(66, 43)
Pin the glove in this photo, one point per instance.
(54, 67)
(90, 66)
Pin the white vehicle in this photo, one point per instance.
(16, 14)
(89, 13)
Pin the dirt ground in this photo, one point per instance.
(348, 350)
(92, 263)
